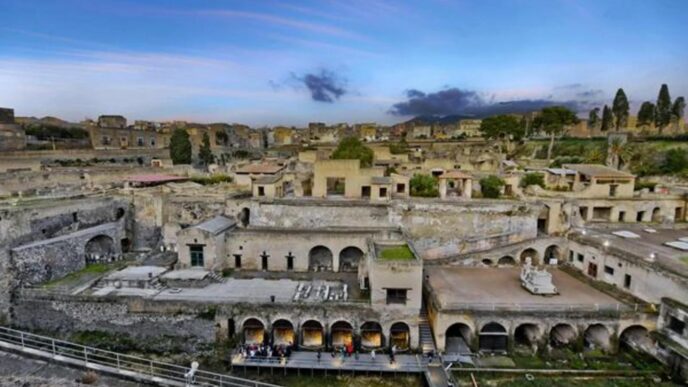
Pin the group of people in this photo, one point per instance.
(252, 351)
(347, 350)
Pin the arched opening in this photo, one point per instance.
(399, 335)
(245, 217)
(312, 334)
(99, 248)
(597, 336)
(552, 255)
(636, 338)
(371, 335)
(457, 339)
(493, 338)
(532, 254)
(506, 260)
(119, 213)
(254, 331)
(543, 220)
(527, 335)
(320, 259)
(487, 262)
(126, 244)
(341, 333)
(656, 215)
(562, 335)
(349, 259)
(282, 333)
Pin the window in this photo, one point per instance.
(264, 261)
(290, 261)
(612, 189)
(676, 325)
(571, 254)
(196, 252)
(401, 188)
(261, 191)
(237, 261)
(396, 296)
(383, 192)
(152, 141)
(608, 270)
(580, 257)
(627, 281)
(139, 141)
(622, 216)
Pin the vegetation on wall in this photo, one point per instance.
(351, 148)
(48, 132)
(491, 186)
(533, 179)
(424, 186)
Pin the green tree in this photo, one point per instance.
(204, 153)
(180, 147)
(553, 121)
(351, 148)
(675, 160)
(607, 118)
(663, 108)
(502, 128)
(615, 152)
(593, 118)
(399, 148)
(532, 179)
(646, 114)
(491, 186)
(424, 185)
(677, 109)
(620, 109)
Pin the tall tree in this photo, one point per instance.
(678, 108)
(646, 114)
(352, 148)
(593, 118)
(554, 121)
(607, 118)
(204, 153)
(502, 128)
(180, 147)
(663, 108)
(620, 109)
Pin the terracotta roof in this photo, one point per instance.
(260, 168)
(455, 174)
(597, 170)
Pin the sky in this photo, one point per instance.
(266, 62)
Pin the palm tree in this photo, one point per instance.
(615, 152)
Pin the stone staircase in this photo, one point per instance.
(427, 342)
(215, 277)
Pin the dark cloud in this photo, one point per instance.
(324, 86)
(454, 101)
(570, 86)
(590, 93)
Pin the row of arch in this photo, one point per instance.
(320, 258)
(551, 252)
(313, 335)
(493, 337)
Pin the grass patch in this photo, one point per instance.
(90, 271)
(684, 260)
(396, 253)
(347, 381)
(210, 180)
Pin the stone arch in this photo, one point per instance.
(506, 260)
(349, 258)
(530, 253)
(253, 331)
(400, 335)
(283, 332)
(636, 337)
(341, 333)
(527, 334)
(320, 259)
(372, 335)
(656, 215)
(553, 252)
(457, 338)
(119, 213)
(562, 335)
(487, 262)
(597, 336)
(493, 337)
(99, 247)
(312, 334)
(245, 216)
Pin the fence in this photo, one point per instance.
(133, 366)
(530, 307)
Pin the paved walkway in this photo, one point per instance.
(364, 363)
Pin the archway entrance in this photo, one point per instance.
(254, 331)
(532, 254)
(552, 253)
(283, 333)
(320, 259)
(399, 335)
(493, 338)
(349, 259)
(527, 335)
(312, 334)
(245, 217)
(597, 336)
(562, 335)
(656, 216)
(99, 248)
(636, 338)
(342, 333)
(457, 339)
(371, 335)
(506, 260)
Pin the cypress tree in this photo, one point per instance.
(620, 109)
(180, 147)
(607, 118)
(678, 108)
(663, 108)
(204, 152)
(593, 117)
(646, 114)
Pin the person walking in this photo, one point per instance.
(372, 355)
(319, 355)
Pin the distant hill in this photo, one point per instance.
(444, 120)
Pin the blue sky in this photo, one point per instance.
(278, 62)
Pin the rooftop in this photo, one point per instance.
(271, 179)
(216, 225)
(476, 287)
(597, 170)
(455, 174)
(260, 168)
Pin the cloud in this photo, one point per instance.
(593, 93)
(455, 101)
(324, 86)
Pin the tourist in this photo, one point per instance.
(372, 355)
(318, 355)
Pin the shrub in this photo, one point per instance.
(351, 148)
(491, 186)
(89, 377)
(424, 186)
(675, 160)
(642, 184)
(213, 179)
(533, 179)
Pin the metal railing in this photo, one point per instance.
(530, 307)
(403, 363)
(124, 364)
